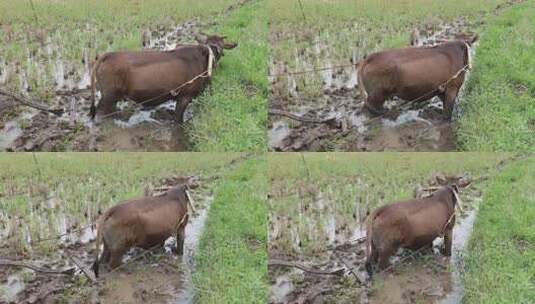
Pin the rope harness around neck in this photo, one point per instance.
(211, 59)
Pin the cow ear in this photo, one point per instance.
(230, 46)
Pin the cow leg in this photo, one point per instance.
(448, 238)
(105, 254)
(385, 254)
(181, 105)
(116, 257)
(181, 236)
(372, 259)
(374, 104)
(449, 101)
(107, 105)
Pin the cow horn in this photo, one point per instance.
(190, 201)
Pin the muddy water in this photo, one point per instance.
(12, 288)
(415, 128)
(8, 134)
(461, 235)
(158, 277)
(338, 242)
(430, 280)
(169, 280)
(135, 130)
(193, 233)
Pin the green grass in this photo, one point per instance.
(500, 262)
(231, 261)
(83, 183)
(233, 117)
(342, 179)
(499, 107)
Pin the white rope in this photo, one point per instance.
(468, 50)
(459, 202)
(190, 201)
(210, 60)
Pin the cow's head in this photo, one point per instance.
(467, 37)
(216, 43)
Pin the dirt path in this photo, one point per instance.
(134, 129)
(417, 277)
(409, 128)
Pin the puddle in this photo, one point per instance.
(12, 288)
(9, 134)
(278, 133)
(336, 240)
(281, 289)
(417, 127)
(461, 235)
(193, 233)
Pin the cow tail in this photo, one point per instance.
(360, 83)
(93, 110)
(369, 244)
(98, 241)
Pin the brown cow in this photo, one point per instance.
(415, 74)
(145, 223)
(151, 78)
(411, 224)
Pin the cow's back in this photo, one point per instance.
(142, 222)
(411, 73)
(412, 220)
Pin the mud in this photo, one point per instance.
(66, 84)
(412, 127)
(135, 129)
(157, 277)
(416, 277)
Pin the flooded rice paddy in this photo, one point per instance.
(67, 87)
(335, 243)
(406, 127)
(49, 237)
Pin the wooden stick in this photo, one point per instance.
(361, 281)
(31, 104)
(305, 268)
(68, 271)
(88, 273)
(301, 119)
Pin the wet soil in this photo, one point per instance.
(158, 276)
(406, 127)
(135, 129)
(416, 277)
